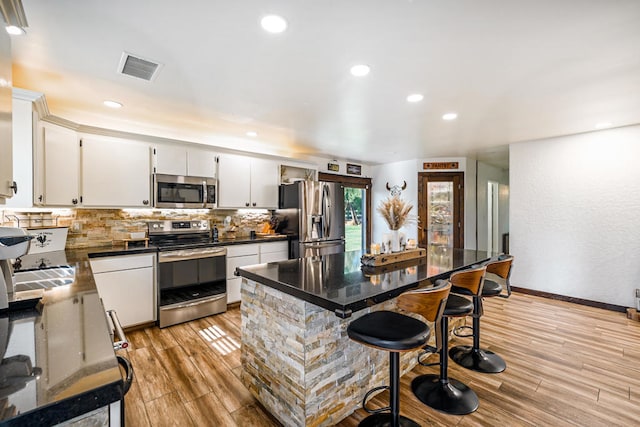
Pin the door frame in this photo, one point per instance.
(354, 182)
(458, 204)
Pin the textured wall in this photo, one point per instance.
(101, 227)
(574, 209)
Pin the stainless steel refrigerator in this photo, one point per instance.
(314, 214)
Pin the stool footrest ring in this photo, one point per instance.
(366, 396)
(457, 332)
(427, 351)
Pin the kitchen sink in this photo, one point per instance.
(43, 279)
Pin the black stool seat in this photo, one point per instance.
(491, 288)
(389, 330)
(458, 306)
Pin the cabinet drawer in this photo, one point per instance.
(242, 250)
(274, 247)
(124, 262)
(232, 263)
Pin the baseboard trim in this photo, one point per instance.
(597, 304)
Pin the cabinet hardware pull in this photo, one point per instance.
(14, 187)
(145, 202)
(74, 201)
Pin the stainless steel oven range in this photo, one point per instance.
(192, 281)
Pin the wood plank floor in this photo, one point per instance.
(567, 365)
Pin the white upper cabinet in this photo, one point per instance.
(115, 172)
(202, 163)
(6, 145)
(264, 183)
(170, 160)
(247, 182)
(23, 119)
(57, 172)
(179, 160)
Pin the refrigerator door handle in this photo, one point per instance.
(326, 198)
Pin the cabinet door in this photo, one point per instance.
(6, 158)
(61, 166)
(170, 160)
(234, 177)
(22, 153)
(130, 293)
(264, 183)
(247, 255)
(202, 163)
(115, 172)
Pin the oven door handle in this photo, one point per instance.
(193, 304)
(122, 341)
(187, 255)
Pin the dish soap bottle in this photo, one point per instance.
(215, 233)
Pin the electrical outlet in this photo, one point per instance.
(76, 227)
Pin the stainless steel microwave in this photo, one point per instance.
(174, 191)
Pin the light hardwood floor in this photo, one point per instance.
(567, 365)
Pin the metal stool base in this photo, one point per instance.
(386, 420)
(451, 397)
(478, 360)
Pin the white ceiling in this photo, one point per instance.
(512, 70)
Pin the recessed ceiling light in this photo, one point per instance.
(415, 97)
(603, 125)
(15, 31)
(360, 70)
(112, 104)
(450, 116)
(252, 134)
(273, 24)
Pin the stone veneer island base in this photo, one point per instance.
(299, 362)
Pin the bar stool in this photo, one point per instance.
(440, 392)
(396, 333)
(502, 269)
(473, 357)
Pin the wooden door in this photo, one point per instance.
(441, 209)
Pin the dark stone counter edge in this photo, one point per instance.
(97, 252)
(341, 310)
(69, 408)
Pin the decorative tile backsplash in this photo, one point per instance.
(105, 227)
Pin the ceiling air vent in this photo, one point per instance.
(135, 66)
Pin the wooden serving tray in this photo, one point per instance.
(370, 260)
(127, 241)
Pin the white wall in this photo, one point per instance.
(397, 172)
(574, 210)
(488, 173)
(394, 174)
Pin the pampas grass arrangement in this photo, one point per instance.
(395, 211)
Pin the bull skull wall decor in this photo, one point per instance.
(396, 190)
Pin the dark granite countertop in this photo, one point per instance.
(63, 346)
(338, 283)
(118, 250)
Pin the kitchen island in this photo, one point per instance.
(58, 358)
(297, 358)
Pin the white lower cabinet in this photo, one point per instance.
(239, 256)
(274, 251)
(249, 254)
(126, 284)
